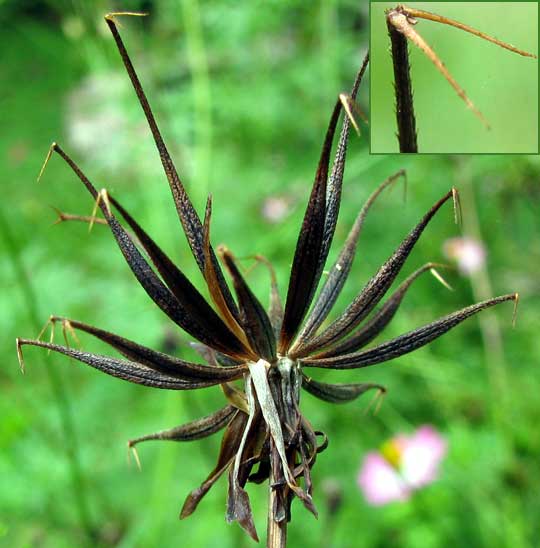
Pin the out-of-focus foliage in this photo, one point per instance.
(243, 94)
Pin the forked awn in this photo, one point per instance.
(400, 22)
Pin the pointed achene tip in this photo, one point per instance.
(208, 207)
(405, 184)
(377, 399)
(478, 113)
(52, 149)
(391, 183)
(50, 321)
(102, 196)
(60, 215)
(431, 264)
(402, 173)
(19, 342)
(413, 13)
(382, 389)
(131, 449)
(266, 262)
(67, 327)
(224, 251)
(503, 298)
(349, 106)
(514, 314)
(457, 206)
(432, 268)
(111, 16)
(439, 277)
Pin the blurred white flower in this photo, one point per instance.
(469, 254)
(102, 126)
(275, 208)
(92, 116)
(404, 464)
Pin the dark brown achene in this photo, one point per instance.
(266, 437)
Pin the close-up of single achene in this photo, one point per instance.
(266, 437)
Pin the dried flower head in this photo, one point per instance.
(266, 437)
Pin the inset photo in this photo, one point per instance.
(454, 78)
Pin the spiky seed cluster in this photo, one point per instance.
(266, 437)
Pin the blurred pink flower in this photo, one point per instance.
(468, 253)
(405, 463)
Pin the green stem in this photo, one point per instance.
(328, 32)
(202, 96)
(493, 345)
(489, 322)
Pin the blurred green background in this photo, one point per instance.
(502, 84)
(243, 94)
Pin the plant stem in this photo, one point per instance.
(276, 531)
(502, 406)
(490, 327)
(406, 121)
(202, 97)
